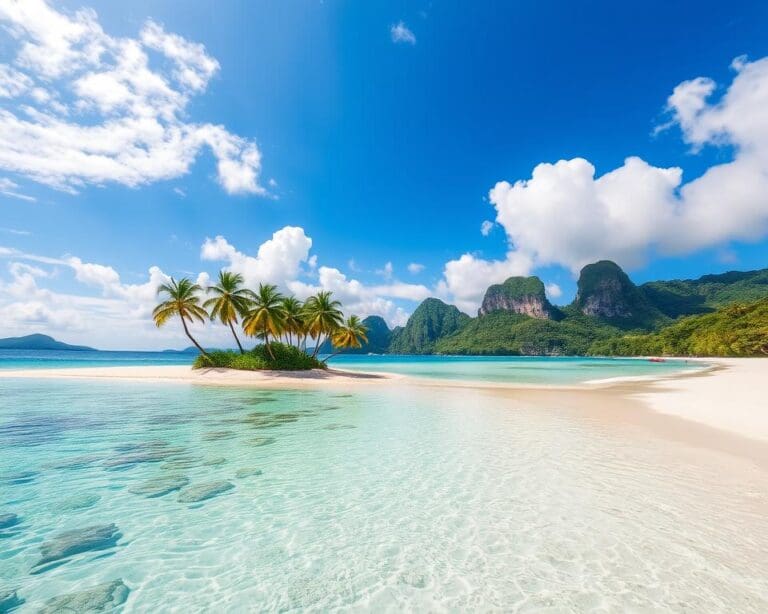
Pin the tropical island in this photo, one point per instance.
(715, 315)
(282, 323)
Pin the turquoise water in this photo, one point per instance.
(512, 369)
(64, 359)
(389, 499)
(500, 369)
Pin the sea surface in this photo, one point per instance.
(176, 497)
(499, 369)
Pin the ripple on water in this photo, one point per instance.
(439, 500)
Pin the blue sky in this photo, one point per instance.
(379, 142)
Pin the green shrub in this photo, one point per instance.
(287, 358)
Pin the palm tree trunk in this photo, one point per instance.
(317, 346)
(266, 342)
(232, 328)
(192, 339)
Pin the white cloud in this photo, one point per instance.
(466, 279)
(486, 227)
(277, 260)
(16, 231)
(280, 261)
(8, 188)
(90, 108)
(553, 291)
(415, 268)
(565, 214)
(401, 34)
(386, 271)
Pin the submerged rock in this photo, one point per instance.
(247, 472)
(157, 487)
(215, 462)
(100, 598)
(134, 458)
(140, 446)
(9, 601)
(78, 502)
(217, 435)
(338, 427)
(18, 477)
(202, 492)
(184, 462)
(8, 520)
(77, 462)
(69, 543)
(262, 441)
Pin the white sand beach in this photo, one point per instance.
(730, 397)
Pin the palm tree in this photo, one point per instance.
(184, 302)
(230, 301)
(351, 334)
(322, 316)
(266, 315)
(293, 322)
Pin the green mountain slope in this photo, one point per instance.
(703, 295)
(431, 320)
(736, 330)
(505, 333)
(38, 342)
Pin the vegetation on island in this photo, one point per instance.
(283, 324)
(609, 316)
(431, 320)
(740, 329)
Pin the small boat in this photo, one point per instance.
(657, 360)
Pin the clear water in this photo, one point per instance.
(64, 359)
(512, 369)
(389, 499)
(500, 369)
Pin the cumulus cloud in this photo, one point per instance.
(566, 214)
(85, 107)
(414, 268)
(553, 291)
(400, 33)
(486, 227)
(277, 260)
(9, 188)
(466, 279)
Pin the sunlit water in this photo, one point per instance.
(388, 499)
(513, 369)
(500, 369)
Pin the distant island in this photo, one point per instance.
(714, 315)
(40, 342)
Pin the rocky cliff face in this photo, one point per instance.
(605, 291)
(523, 295)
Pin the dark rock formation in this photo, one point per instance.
(201, 492)
(68, 543)
(101, 598)
(523, 295)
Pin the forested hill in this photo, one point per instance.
(610, 315)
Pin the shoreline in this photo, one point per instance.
(724, 395)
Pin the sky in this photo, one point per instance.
(388, 151)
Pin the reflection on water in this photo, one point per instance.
(161, 497)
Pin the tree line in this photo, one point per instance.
(265, 313)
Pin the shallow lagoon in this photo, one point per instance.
(230, 500)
